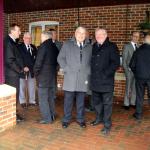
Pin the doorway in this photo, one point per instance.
(36, 28)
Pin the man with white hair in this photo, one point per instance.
(140, 66)
(75, 58)
(27, 80)
(45, 72)
(105, 61)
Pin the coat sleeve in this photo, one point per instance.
(39, 60)
(10, 58)
(132, 63)
(114, 61)
(62, 57)
(125, 58)
(22, 55)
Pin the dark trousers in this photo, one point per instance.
(68, 104)
(13, 81)
(140, 90)
(46, 103)
(103, 106)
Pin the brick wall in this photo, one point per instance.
(120, 21)
(7, 107)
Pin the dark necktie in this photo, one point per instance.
(81, 52)
(135, 47)
(28, 49)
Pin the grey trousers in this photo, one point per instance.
(46, 103)
(130, 91)
(30, 85)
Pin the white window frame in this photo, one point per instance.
(43, 24)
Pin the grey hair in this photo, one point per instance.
(48, 34)
(26, 33)
(81, 28)
(101, 29)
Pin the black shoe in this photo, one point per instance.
(105, 131)
(137, 117)
(53, 118)
(32, 105)
(126, 107)
(43, 122)
(24, 105)
(65, 124)
(95, 122)
(19, 118)
(82, 124)
(133, 106)
(90, 109)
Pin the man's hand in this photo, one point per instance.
(26, 69)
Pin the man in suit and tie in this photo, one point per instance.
(128, 50)
(27, 80)
(75, 58)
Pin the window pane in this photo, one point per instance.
(36, 35)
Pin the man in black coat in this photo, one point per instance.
(13, 62)
(28, 52)
(140, 65)
(105, 61)
(45, 72)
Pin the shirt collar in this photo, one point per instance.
(28, 46)
(133, 44)
(78, 43)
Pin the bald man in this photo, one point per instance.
(75, 58)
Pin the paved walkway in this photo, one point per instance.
(126, 134)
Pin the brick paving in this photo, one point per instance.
(126, 134)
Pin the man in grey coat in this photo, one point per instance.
(130, 92)
(75, 58)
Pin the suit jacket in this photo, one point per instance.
(128, 51)
(13, 62)
(28, 58)
(46, 63)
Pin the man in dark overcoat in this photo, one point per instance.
(105, 61)
(45, 72)
(13, 62)
(140, 65)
